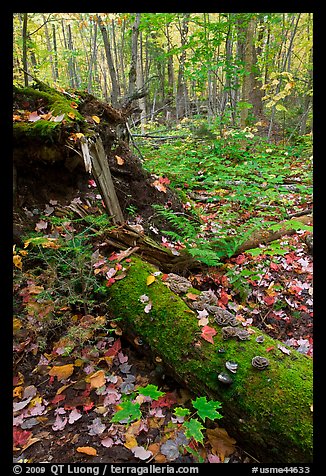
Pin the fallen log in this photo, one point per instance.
(267, 411)
(124, 237)
(267, 236)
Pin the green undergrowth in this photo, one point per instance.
(265, 399)
(238, 170)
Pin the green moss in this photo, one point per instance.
(276, 401)
(47, 130)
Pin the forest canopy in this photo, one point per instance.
(239, 67)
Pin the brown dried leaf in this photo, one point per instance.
(222, 444)
(62, 372)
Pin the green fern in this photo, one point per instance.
(211, 252)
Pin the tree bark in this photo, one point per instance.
(115, 92)
(266, 411)
(251, 92)
(182, 92)
(24, 59)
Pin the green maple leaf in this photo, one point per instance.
(151, 391)
(193, 429)
(130, 411)
(181, 412)
(207, 409)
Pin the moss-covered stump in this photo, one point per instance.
(267, 411)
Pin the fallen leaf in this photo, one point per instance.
(141, 453)
(62, 372)
(131, 441)
(17, 260)
(72, 115)
(33, 117)
(96, 119)
(150, 279)
(208, 333)
(192, 296)
(284, 349)
(203, 321)
(21, 437)
(120, 160)
(87, 450)
(222, 444)
(97, 379)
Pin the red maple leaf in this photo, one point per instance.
(109, 282)
(269, 300)
(224, 298)
(274, 266)
(114, 349)
(20, 436)
(208, 333)
(166, 400)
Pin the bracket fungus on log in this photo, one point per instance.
(257, 407)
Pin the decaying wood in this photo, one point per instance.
(267, 411)
(267, 236)
(124, 237)
(102, 176)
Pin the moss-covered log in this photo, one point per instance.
(267, 411)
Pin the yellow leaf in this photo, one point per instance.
(130, 441)
(88, 450)
(16, 324)
(62, 372)
(35, 401)
(17, 260)
(78, 363)
(150, 279)
(96, 119)
(18, 392)
(72, 115)
(119, 160)
(79, 135)
(97, 379)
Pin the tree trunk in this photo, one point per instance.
(115, 92)
(251, 92)
(55, 54)
(182, 92)
(133, 62)
(140, 84)
(92, 60)
(24, 59)
(267, 411)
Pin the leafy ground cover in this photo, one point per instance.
(234, 184)
(80, 392)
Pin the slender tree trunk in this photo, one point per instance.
(182, 92)
(55, 54)
(92, 59)
(133, 62)
(115, 91)
(140, 83)
(49, 47)
(170, 69)
(25, 61)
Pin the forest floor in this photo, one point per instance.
(229, 188)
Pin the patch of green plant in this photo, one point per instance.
(205, 410)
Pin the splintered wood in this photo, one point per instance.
(96, 163)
